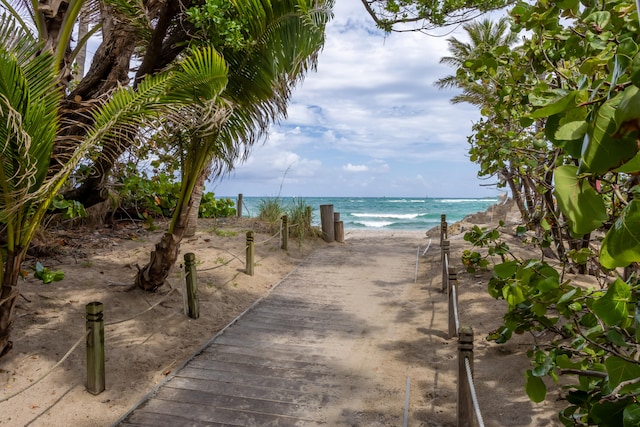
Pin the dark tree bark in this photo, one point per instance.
(8, 297)
(110, 67)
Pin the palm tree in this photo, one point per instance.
(283, 41)
(30, 125)
(483, 36)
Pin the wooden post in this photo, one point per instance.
(326, 218)
(452, 283)
(95, 348)
(285, 232)
(307, 216)
(339, 230)
(192, 285)
(249, 261)
(465, 403)
(239, 206)
(444, 254)
(443, 228)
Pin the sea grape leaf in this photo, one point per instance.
(631, 415)
(600, 19)
(603, 149)
(607, 414)
(632, 166)
(563, 103)
(572, 130)
(612, 306)
(621, 245)
(620, 370)
(629, 108)
(505, 270)
(535, 387)
(578, 200)
(635, 69)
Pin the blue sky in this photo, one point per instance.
(369, 122)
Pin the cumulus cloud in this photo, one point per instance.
(369, 122)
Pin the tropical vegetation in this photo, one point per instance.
(560, 121)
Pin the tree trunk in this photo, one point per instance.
(8, 297)
(516, 195)
(153, 275)
(110, 67)
(196, 197)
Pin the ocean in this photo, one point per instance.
(383, 213)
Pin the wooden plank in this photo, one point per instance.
(140, 418)
(243, 340)
(264, 362)
(232, 367)
(285, 355)
(314, 323)
(231, 402)
(298, 384)
(202, 413)
(251, 391)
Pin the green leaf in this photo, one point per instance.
(505, 270)
(564, 103)
(572, 130)
(535, 387)
(620, 370)
(603, 149)
(631, 415)
(612, 306)
(621, 244)
(632, 166)
(599, 19)
(578, 200)
(513, 294)
(629, 108)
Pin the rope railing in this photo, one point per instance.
(472, 388)
(77, 343)
(467, 396)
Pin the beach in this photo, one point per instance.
(148, 335)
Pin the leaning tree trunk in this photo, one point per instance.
(8, 298)
(516, 194)
(196, 197)
(155, 273)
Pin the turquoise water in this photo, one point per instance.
(384, 213)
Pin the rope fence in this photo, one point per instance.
(94, 334)
(468, 406)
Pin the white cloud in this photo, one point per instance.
(370, 108)
(355, 168)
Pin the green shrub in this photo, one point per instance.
(157, 196)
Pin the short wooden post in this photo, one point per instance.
(443, 228)
(307, 216)
(339, 230)
(95, 348)
(249, 261)
(326, 218)
(285, 232)
(452, 283)
(239, 206)
(192, 285)
(445, 259)
(465, 403)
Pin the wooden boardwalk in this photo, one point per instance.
(318, 350)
